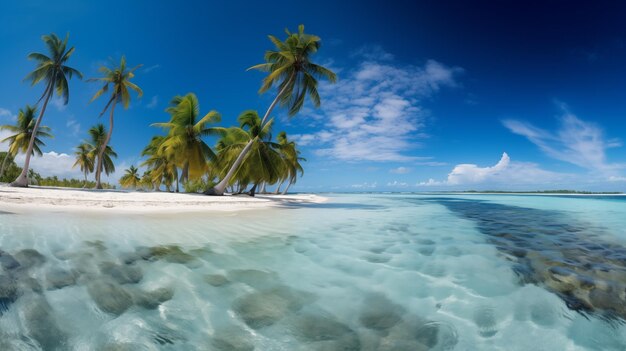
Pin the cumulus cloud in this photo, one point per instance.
(58, 103)
(576, 141)
(397, 184)
(505, 172)
(375, 112)
(52, 164)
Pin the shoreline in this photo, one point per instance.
(69, 200)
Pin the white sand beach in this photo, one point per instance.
(19, 200)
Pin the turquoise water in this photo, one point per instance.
(360, 272)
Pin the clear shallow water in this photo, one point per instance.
(362, 272)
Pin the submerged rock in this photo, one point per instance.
(550, 249)
(378, 312)
(29, 258)
(109, 297)
(8, 292)
(323, 332)
(255, 278)
(7, 261)
(216, 279)
(39, 321)
(264, 308)
(231, 339)
(169, 253)
(59, 278)
(152, 299)
(122, 274)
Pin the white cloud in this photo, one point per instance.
(7, 115)
(52, 164)
(400, 170)
(397, 184)
(576, 141)
(470, 173)
(73, 126)
(505, 172)
(153, 102)
(375, 112)
(151, 68)
(365, 185)
(430, 182)
(3, 135)
(58, 103)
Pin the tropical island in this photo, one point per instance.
(245, 159)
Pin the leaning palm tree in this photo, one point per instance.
(184, 139)
(53, 71)
(102, 161)
(84, 159)
(291, 70)
(263, 164)
(131, 179)
(19, 142)
(118, 79)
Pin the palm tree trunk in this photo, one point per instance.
(22, 179)
(286, 189)
(221, 186)
(253, 190)
(185, 174)
(85, 172)
(278, 187)
(104, 146)
(176, 170)
(262, 190)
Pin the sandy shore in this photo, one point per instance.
(21, 200)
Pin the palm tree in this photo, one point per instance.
(291, 156)
(184, 140)
(131, 178)
(161, 166)
(102, 161)
(52, 70)
(263, 162)
(23, 133)
(291, 70)
(84, 159)
(118, 78)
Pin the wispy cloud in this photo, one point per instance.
(153, 102)
(72, 126)
(365, 185)
(400, 170)
(6, 114)
(4, 146)
(576, 141)
(151, 68)
(58, 103)
(375, 112)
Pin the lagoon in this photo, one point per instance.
(359, 272)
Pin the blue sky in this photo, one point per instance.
(432, 95)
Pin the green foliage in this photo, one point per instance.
(131, 178)
(183, 144)
(197, 185)
(11, 169)
(23, 131)
(69, 183)
(290, 68)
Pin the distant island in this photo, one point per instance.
(544, 192)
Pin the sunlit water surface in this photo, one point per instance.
(360, 272)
